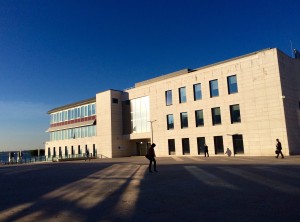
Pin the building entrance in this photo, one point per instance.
(141, 148)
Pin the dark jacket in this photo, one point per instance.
(278, 146)
(151, 151)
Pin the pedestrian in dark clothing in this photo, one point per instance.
(151, 154)
(87, 155)
(278, 149)
(206, 150)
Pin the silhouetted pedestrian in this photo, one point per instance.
(206, 150)
(151, 154)
(228, 152)
(87, 155)
(278, 149)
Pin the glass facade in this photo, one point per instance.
(169, 97)
(235, 113)
(214, 88)
(81, 132)
(170, 121)
(140, 115)
(199, 118)
(197, 92)
(216, 116)
(232, 84)
(182, 95)
(74, 113)
(184, 120)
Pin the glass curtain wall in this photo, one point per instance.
(74, 113)
(140, 115)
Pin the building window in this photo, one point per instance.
(200, 144)
(214, 88)
(232, 84)
(184, 120)
(182, 95)
(115, 100)
(66, 151)
(235, 113)
(199, 118)
(219, 147)
(170, 121)
(238, 145)
(171, 146)
(60, 152)
(169, 97)
(185, 146)
(216, 116)
(140, 115)
(79, 150)
(197, 92)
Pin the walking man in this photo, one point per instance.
(278, 149)
(87, 155)
(151, 154)
(206, 150)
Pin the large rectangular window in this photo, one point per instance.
(182, 95)
(199, 118)
(197, 92)
(238, 145)
(79, 150)
(185, 146)
(169, 97)
(140, 115)
(235, 113)
(214, 88)
(66, 151)
(60, 152)
(232, 84)
(216, 116)
(184, 120)
(171, 145)
(200, 144)
(219, 147)
(170, 121)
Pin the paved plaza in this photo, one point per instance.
(185, 189)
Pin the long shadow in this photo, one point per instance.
(177, 195)
(179, 192)
(27, 183)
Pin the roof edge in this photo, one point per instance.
(72, 105)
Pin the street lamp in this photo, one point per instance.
(152, 121)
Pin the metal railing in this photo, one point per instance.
(70, 157)
(25, 160)
(58, 158)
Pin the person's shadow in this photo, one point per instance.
(228, 152)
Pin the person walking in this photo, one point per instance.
(151, 154)
(87, 153)
(278, 149)
(206, 150)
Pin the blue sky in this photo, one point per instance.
(56, 52)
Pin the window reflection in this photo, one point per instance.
(232, 84)
(140, 115)
(74, 113)
(214, 88)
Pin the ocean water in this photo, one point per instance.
(4, 156)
